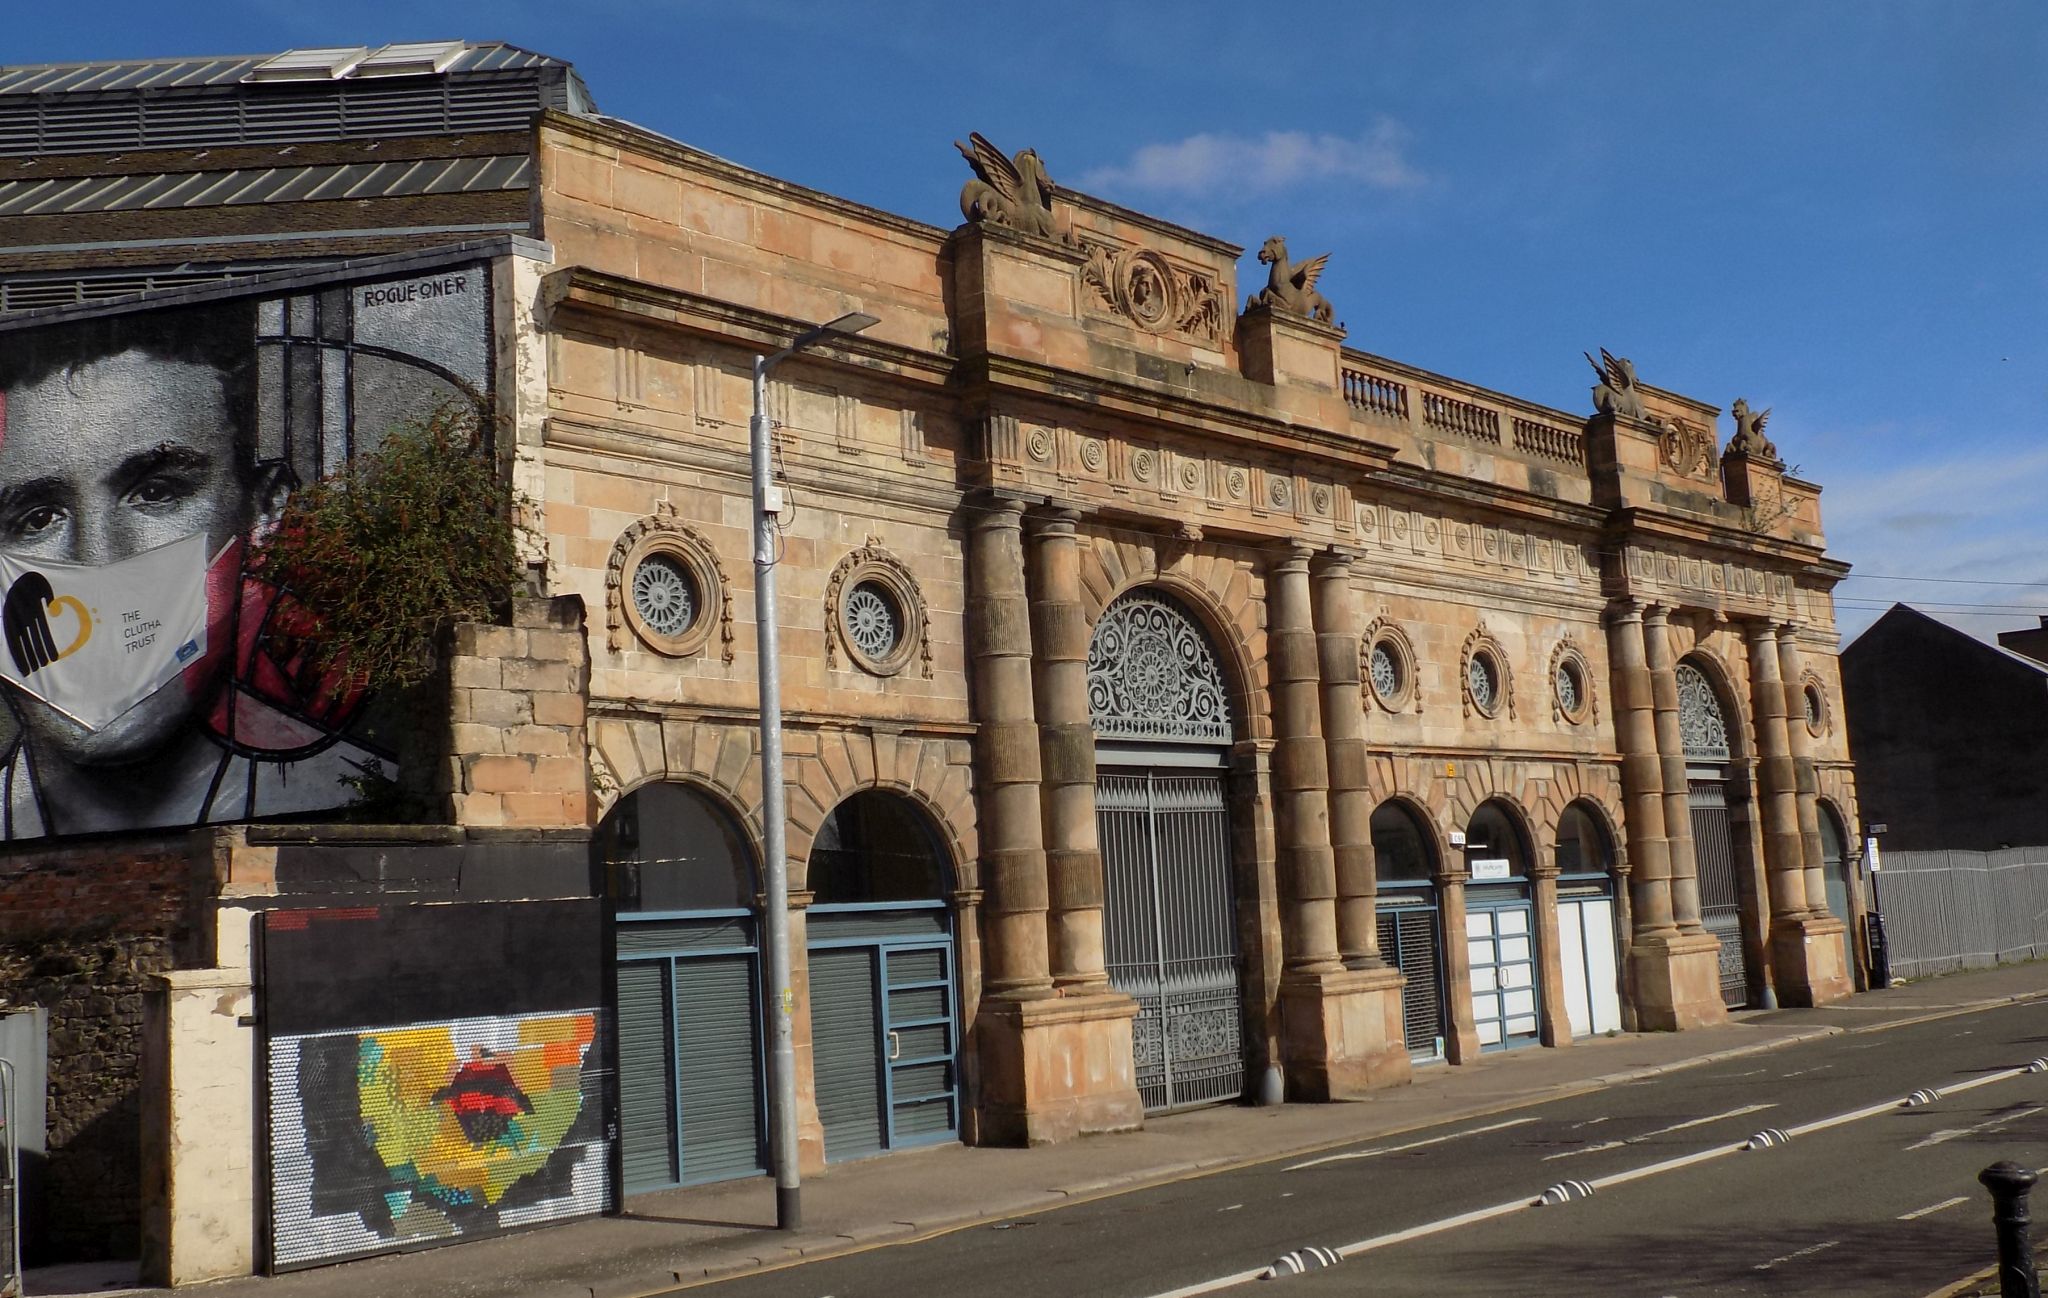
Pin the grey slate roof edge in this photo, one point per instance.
(128, 76)
(283, 281)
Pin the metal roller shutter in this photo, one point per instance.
(646, 1090)
(717, 1057)
(846, 1051)
(1408, 940)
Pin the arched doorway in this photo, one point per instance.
(1500, 930)
(1405, 865)
(1162, 720)
(681, 880)
(1703, 728)
(1585, 922)
(1834, 859)
(885, 1024)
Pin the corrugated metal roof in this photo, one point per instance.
(158, 191)
(163, 74)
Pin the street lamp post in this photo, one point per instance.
(782, 1052)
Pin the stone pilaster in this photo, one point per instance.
(1461, 1035)
(1555, 1023)
(1673, 977)
(1806, 948)
(1066, 738)
(1685, 870)
(1805, 778)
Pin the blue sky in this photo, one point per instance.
(1834, 209)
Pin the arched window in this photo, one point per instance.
(1152, 674)
(667, 847)
(1493, 834)
(876, 847)
(1401, 850)
(1700, 722)
(1582, 843)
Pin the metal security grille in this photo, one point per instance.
(1720, 902)
(1170, 931)
(1408, 941)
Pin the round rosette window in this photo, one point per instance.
(1572, 685)
(1389, 669)
(669, 592)
(1482, 681)
(878, 618)
(1815, 700)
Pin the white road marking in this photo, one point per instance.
(1376, 1151)
(1590, 1122)
(1801, 1072)
(1661, 1131)
(1933, 1208)
(1619, 1178)
(1947, 1134)
(1232, 1208)
(1808, 1251)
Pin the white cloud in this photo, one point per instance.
(1960, 523)
(1206, 163)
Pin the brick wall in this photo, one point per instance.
(81, 930)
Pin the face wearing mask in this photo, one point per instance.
(120, 478)
(94, 641)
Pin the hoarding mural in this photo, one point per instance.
(433, 1131)
(151, 679)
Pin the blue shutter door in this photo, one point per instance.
(646, 1089)
(718, 1067)
(846, 1050)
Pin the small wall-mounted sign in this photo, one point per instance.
(1485, 868)
(1457, 838)
(1450, 770)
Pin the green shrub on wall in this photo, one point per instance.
(411, 538)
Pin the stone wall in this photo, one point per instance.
(82, 929)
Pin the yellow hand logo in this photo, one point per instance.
(55, 607)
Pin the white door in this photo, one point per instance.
(1585, 932)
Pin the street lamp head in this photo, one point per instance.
(851, 323)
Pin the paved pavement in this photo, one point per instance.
(685, 1235)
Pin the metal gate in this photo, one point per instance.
(1170, 931)
(1720, 901)
(1407, 925)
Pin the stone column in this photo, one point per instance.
(1340, 1028)
(1461, 1034)
(1685, 870)
(1806, 960)
(1012, 842)
(1337, 647)
(1673, 976)
(1066, 745)
(1052, 1066)
(1642, 774)
(1301, 773)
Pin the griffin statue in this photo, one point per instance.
(1616, 393)
(1749, 436)
(1013, 192)
(1291, 286)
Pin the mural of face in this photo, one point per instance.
(102, 461)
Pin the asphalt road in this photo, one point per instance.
(1885, 1203)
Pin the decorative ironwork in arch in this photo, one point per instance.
(1153, 675)
(1700, 723)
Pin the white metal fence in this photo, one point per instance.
(1945, 911)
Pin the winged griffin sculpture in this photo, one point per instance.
(1616, 393)
(1749, 436)
(1291, 286)
(1014, 192)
